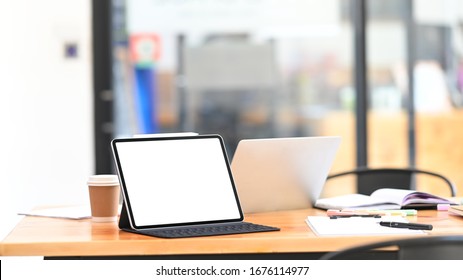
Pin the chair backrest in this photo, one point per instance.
(371, 179)
(422, 248)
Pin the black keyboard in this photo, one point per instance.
(207, 230)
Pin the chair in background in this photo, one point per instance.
(422, 248)
(371, 179)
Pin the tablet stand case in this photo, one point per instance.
(124, 218)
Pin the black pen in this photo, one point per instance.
(406, 225)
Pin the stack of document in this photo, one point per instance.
(66, 212)
(323, 225)
(457, 210)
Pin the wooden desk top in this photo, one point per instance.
(36, 236)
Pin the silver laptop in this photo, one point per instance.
(179, 186)
(282, 173)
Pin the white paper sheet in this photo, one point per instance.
(67, 212)
(322, 225)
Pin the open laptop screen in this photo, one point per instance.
(176, 181)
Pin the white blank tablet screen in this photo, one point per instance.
(177, 181)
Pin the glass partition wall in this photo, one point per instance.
(264, 68)
(242, 69)
(416, 46)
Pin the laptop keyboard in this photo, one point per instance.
(208, 230)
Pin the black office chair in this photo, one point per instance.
(371, 179)
(421, 248)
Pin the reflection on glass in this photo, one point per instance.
(438, 41)
(242, 69)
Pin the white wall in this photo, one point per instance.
(46, 115)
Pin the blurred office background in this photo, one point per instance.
(75, 74)
(253, 69)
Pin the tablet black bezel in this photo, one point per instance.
(126, 197)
